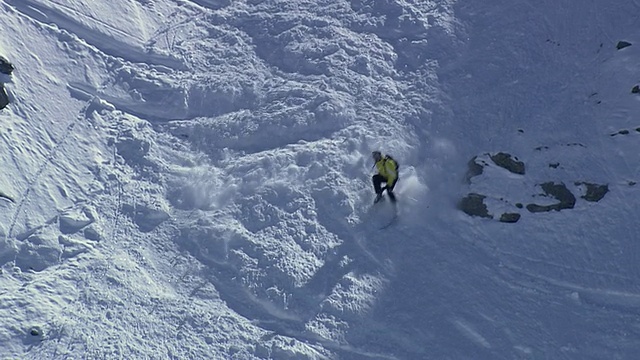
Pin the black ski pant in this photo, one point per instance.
(377, 183)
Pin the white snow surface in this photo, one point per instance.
(190, 179)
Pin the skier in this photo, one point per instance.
(387, 173)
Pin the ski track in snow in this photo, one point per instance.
(212, 197)
(24, 196)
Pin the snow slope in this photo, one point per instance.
(191, 180)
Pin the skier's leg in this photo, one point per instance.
(389, 188)
(377, 181)
(392, 196)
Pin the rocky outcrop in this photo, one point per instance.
(565, 198)
(487, 197)
(509, 217)
(476, 165)
(594, 192)
(4, 97)
(5, 66)
(622, 44)
(474, 169)
(473, 205)
(508, 162)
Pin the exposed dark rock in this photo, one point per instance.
(33, 336)
(632, 183)
(553, 42)
(473, 205)
(595, 192)
(554, 165)
(519, 205)
(534, 208)
(636, 89)
(621, 132)
(505, 160)
(474, 169)
(622, 44)
(558, 191)
(5, 66)
(510, 217)
(4, 97)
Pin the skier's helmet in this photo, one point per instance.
(377, 155)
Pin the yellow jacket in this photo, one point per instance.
(387, 168)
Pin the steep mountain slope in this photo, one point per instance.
(191, 180)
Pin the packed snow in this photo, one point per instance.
(191, 179)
